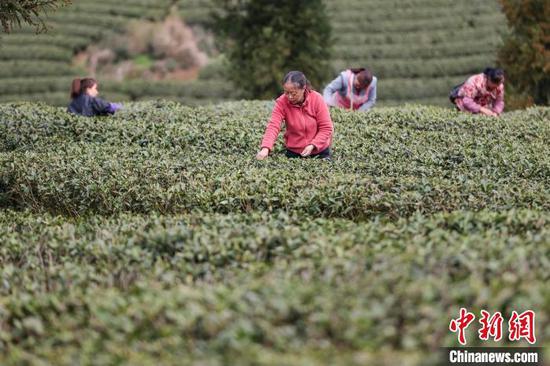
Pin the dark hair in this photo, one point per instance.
(364, 76)
(494, 74)
(298, 78)
(80, 86)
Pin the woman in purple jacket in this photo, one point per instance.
(85, 101)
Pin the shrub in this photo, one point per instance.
(173, 159)
(524, 54)
(153, 236)
(264, 40)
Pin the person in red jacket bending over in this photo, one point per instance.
(309, 127)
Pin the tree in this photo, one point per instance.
(16, 12)
(264, 39)
(525, 54)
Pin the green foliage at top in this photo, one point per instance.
(418, 49)
(525, 54)
(264, 39)
(16, 13)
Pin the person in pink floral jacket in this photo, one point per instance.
(481, 93)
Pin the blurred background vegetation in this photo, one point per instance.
(205, 51)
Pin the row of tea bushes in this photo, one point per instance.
(171, 158)
(468, 47)
(259, 288)
(79, 178)
(33, 68)
(168, 124)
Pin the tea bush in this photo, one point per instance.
(42, 52)
(172, 159)
(58, 40)
(31, 68)
(457, 49)
(260, 287)
(154, 237)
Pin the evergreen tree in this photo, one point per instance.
(525, 54)
(264, 39)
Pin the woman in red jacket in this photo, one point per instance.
(309, 127)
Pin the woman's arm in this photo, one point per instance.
(325, 127)
(113, 107)
(100, 106)
(470, 105)
(372, 96)
(499, 104)
(334, 86)
(468, 92)
(274, 126)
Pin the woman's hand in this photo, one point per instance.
(487, 112)
(307, 151)
(262, 154)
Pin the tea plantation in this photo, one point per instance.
(40, 67)
(418, 49)
(154, 236)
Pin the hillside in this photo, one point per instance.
(419, 49)
(40, 67)
(154, 237)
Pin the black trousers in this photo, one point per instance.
(325, 154)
